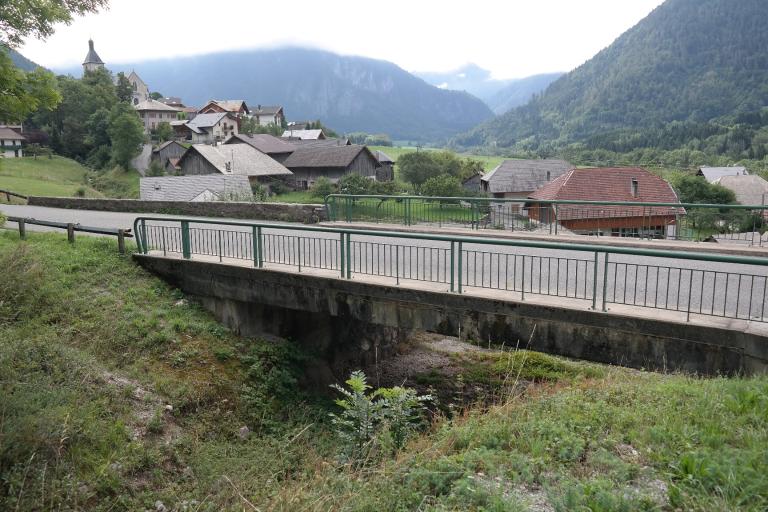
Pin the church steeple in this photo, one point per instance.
(92, 61)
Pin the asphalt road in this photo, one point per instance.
(711, 288)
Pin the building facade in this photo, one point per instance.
(152, 113)
(11, 143)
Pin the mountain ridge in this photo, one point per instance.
(687, 61)
(347, 93)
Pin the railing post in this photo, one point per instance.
(349, 208)
(460, 270)
(218, 239)
(594, 282)
(605, 282)
(522, 284)
(556, 221)
(255, 245)
(349, 257)
(298, 251)
(121, 241)
(260, 245)
(453, 250)
(407, 211)
(142, 235)
(22, 229)
(71, 233)
(186, 251)
(342, 256)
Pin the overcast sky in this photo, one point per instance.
(512, 38)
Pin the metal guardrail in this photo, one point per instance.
(592, 275)
(71, 228)
(676, 221)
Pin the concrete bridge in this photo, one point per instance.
(353, 294)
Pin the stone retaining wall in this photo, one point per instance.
(282, 212)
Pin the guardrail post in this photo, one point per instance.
(218, 239)
(22, 229)
(71, 233)
(342, 256)
(522, 284)
(186, 251)
(121, 241)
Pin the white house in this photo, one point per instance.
(11, 143)
(153, 112)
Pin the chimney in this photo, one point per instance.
(634, 187)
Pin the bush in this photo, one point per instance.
(388, 416)
(443, 186)
(2, 219)
(155, 169)
(279, 188)
(322, 187)
(259, 191)
(355, 184)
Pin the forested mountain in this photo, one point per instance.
(21, 61)
(349, 94)
(519, 92)
(699, 63)
(499, 95)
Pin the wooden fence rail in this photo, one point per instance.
(71, 228)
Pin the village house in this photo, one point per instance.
(748, 189)
(275, 147)
(309, 164)
(153, 112)
(712, 174)
(233, 160)
(609, 185)
(211, 187)
(317, 143)
(11, 143)
(386, 170)
(517, 179)
(167, 155)
(211, 128)
(474, 183)
(237, 108)
(266, 115)
(290, 133)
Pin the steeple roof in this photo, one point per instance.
(92, 57)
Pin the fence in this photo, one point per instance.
(678, 221)
(71, 228)
(589, 275)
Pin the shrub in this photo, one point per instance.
(322, 187)
(155, 169)
(387, 414)
(355, 184)
(279, 188)
(259, 192)
(443, 186)
(2, 219)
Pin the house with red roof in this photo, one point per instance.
(612, 184)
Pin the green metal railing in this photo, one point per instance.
(678, 221)
(593, 275)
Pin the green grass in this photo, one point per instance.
(395, 152)
(298, 196)
(62, 177)
(57, 176)
(92, 349)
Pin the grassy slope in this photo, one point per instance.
(95, 348)
(59, 176)
(394, 152)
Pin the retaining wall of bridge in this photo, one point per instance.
(353, 323)
(281, 212)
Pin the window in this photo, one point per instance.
(634, 187)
